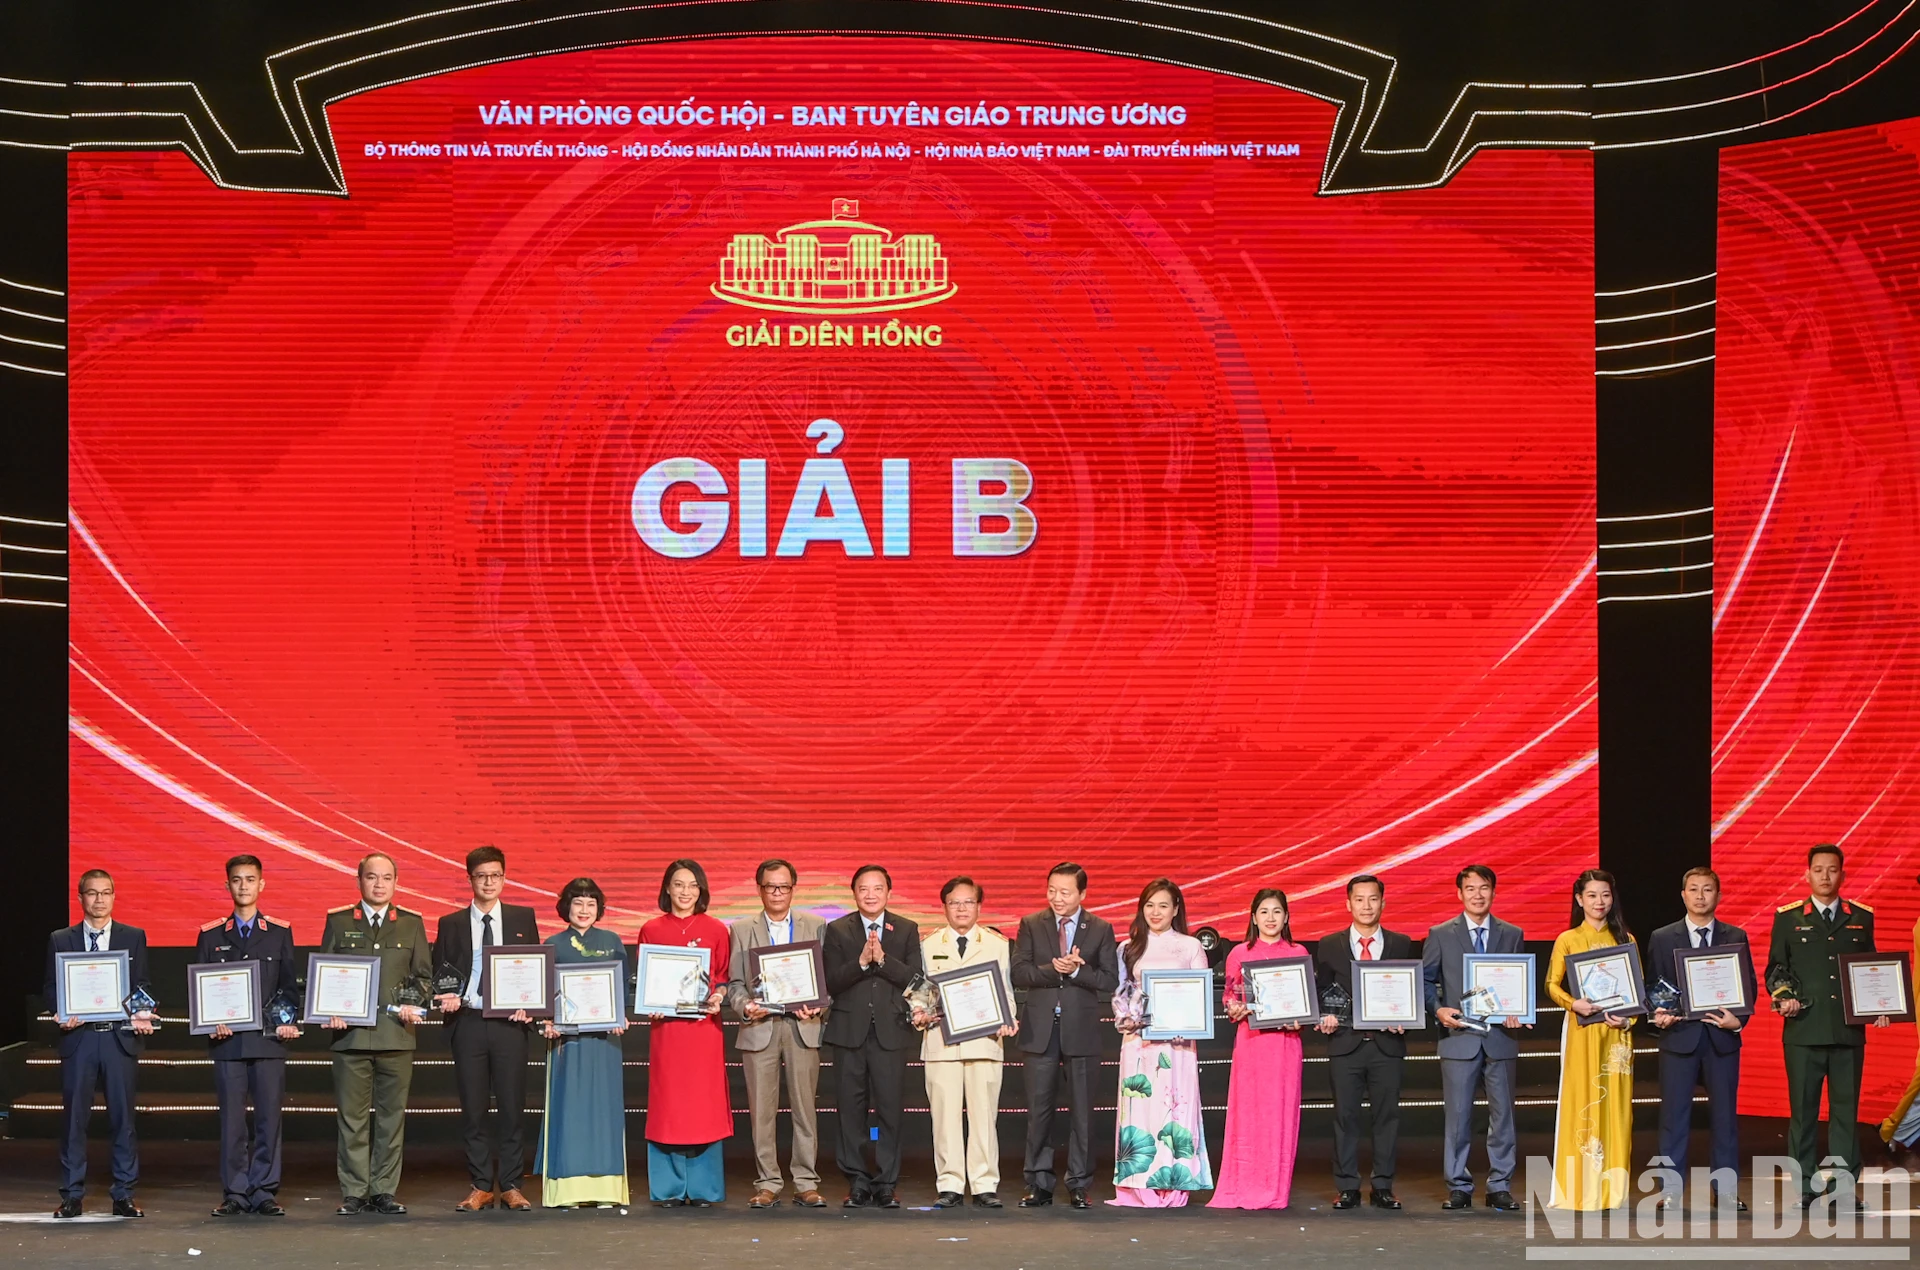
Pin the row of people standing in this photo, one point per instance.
(1067, 960)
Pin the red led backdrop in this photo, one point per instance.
(353, 487)
(1817, 580)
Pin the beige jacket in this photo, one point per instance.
(751, 932)
(939, 953)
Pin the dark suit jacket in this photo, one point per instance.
(1077, 998)
(870, 996)
(1684, 1037)
(271, 944)
(453, 939)
(1333, 963)
(121, 935)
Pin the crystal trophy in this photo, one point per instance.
(408, 994)
(1338, 1002)
(1664, 996)
(284, 1009)
(140, 1002)
(922, 996)
(761, 990)
(447, 984)
(1477, 1008)
(1783, 986)
(690, 1001)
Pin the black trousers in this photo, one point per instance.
(1043, 1096)
(1679, 1074)
(1370, 1076)
(490, 1066)
(98, 1062)
(868, 1076)
(250, 1158)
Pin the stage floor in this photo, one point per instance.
(180, 1185)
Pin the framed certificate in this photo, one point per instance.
(93, 986)
(1876, 984)
(1713, 979)
(672, 979)
(1610, 978)
(343, 986)
(515, 977)
(1279, 991)
(1506, 982)
(1389, 994)
(974, 1002)
(787, 976)
(589, 996)
(223, 994)
(1178, 1004)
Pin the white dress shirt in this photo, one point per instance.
(473, 924)
(1693, 932)
(87, 935)
(1379, 938)
(780, 932)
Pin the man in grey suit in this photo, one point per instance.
(1468, 1059)
(767, 1041)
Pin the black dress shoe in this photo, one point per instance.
(126, 1208)
(268, 1208)
(1036, 1199)
(68, 1208)
(1077, 1196)
(232, 1208)
(1457, 1200)
(350, 1205)
(1347, 1199)
(1384, 1199)
(947, 1199)
(883, 1197)
(387, 1206)
(988, 1200)
(1502, 1201)
(858, 1199)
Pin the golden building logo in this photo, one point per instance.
(841, 265)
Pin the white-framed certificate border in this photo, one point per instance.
(539, 952)
(1365, 1020)
(317, 964)
(1849, 960)
(1303, 965)
(197, 1023)
(648, 954)
(585, 970)
(1151, 979)
(1743, 973)
(1525, 961)
(1002, 998)
(1635, 985)
(809, 948)
(122, 961)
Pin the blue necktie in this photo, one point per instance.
(93, 941)
(1479, 939)
(1701, 934)
(245, 931)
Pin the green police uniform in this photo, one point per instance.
(373, 1066)
(1821, 1046)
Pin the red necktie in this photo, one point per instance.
(1366, 948)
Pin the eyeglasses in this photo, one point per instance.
(963, 903)
(488, 877)
(97, 895)
(772, 889)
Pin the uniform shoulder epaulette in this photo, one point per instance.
(207, 926)
(1865, 908)
(1788, 907)
(266, 921)
(343, 908)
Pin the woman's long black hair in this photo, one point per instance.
(1138, 932)
(1616, 921)
(1260, 897)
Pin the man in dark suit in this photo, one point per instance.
(871, 956)
(1364, 1065)
(250, 1066)
(1066, 961)
(1699, 1051)
(93, 1055)
(489, 1055)
(1471, 1060)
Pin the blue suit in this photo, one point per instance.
(250, 1066)
(1694, 1053)
(97, 1055)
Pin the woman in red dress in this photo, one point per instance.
(688, 1114)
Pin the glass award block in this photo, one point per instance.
(1784, 985)
(407, 994)
(1338, 1002)
(140, 1002)
(1476, 1008)
(1664, 996)
(284, 1009)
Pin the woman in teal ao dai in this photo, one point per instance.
(1160, 1146)
(583, 1136)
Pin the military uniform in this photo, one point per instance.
(373, 1066)
(250, 1066)
(1821, 1046)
